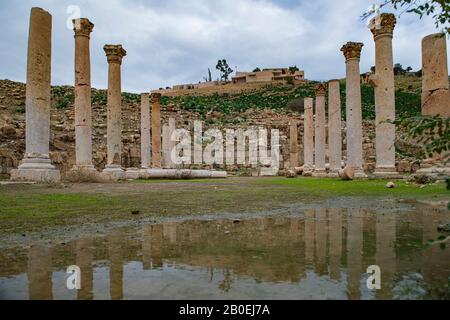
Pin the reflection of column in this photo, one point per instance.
(321, 241)
(36, 165)
(354, 253)
(156, 246)
(40, 273)
(308, 137)
(335, 228)
(436, 262)
(309, 237)
(147, 247)
(170, 231)
(116, 266)
(382, 28)
(385, 255)
(320, 134)
(84, 261)
(293, 137)
(352, 53)
(334, 127)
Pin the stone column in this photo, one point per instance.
(83, 109)
(165, 146)
(113, 169)
(320, 132)
(308, 137)
(334, 127)
(382, 28)
(172, 143)
(435, 88)
(36, 165)
(435, 92)
(146, 159)
(352, 53)
(156, 129)
(293, 135)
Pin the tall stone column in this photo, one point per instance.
(172, 143)
(293, 135)
(36, 165)
(382, 28)
(146, 159)
(352, 53)
(334, 127)
(113, 169)
(156, 129)
(308, 137)
(435, 87)
(320, 132)
(83, 109)
(435, 92)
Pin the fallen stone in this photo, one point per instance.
(390, 185)
(347, 173)
(291, 174)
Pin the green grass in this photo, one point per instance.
(32, 207)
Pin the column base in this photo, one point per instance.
(308, 170)
(132, 173)
(333, 173)
(36, 169)
(321, 173)
(84, 173)
(387, 173)
(113, 172)
(360, 174)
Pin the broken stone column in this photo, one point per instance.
(146, 159)
(320, 132)
(113, 169)
(435, 88)
(352, 53)
(382, 28)
(293, 133)
(334, 128)
(83, 111)
(308, 138)
(36, 165)
(435, 92)
(156, 129)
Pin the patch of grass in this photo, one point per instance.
(32, 207)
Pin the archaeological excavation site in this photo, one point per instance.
(323, 174)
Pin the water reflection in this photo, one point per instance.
(322, 255)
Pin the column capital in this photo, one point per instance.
(82, 27)
(320, 89)
(155, 97)
(383, 25)
(114, 53)
(352, 50)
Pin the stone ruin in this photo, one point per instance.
(156, 142)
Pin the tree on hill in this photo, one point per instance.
(293, 69)
(224, 69)
(439, 10)
(257, 70)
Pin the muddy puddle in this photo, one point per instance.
(319, 254)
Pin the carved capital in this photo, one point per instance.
(155, 97)
(114, 53)
(383, 25)
(321, 89)
(352, 50)
(82, 27)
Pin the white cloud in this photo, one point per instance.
(175, 41)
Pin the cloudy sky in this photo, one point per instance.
(175, 41)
